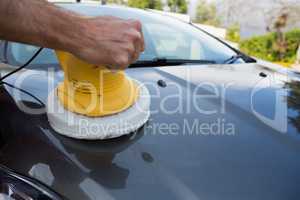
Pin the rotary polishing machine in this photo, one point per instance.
(93, 102)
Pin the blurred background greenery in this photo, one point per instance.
(266, 29)
(273, 47)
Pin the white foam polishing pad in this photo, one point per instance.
(93, 128)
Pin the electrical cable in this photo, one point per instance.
(23, 66)
(25, 92)
(18, 69)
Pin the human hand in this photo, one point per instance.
(109, 41)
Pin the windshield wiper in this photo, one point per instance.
(168, 62)
(237, 56)
(233, 59)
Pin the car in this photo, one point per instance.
(223, 125)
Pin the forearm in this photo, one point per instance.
(100, 40)
(39, 23)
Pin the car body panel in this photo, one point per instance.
(215, 132)
(256, 161)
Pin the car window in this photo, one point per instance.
(22, 53)
(171, 43)
(164, 37)
(167, 42)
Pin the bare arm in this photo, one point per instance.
(101, 40)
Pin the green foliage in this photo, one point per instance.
(179, 6)
(207, 14)
(233, 33)
(120, 2)
(265, 46)
(143, 4)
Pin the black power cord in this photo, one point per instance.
(18, 69)
(23, 66)
(24, 91)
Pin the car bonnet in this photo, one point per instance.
(212, 134)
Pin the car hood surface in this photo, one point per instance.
(215, 132)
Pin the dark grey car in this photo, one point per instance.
(222, 126)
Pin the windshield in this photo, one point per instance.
(165, 37)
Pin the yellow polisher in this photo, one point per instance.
(95, 103)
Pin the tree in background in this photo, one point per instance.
(233, 33)
(263, 46)
(280, 45)
(298, 55)
(143, 4)
(119, 2)
(155, 4)
(207, 14)
(179, 6)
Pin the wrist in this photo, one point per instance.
(73, 35)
